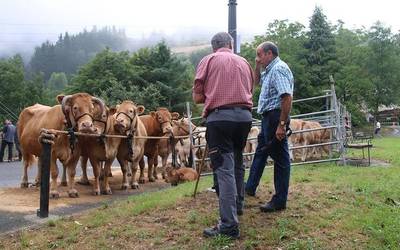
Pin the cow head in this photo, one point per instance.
(126, 116)
(164, 118)
(181, 127)
(173, 176)
(79, 111)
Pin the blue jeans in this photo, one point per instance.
(279, 152)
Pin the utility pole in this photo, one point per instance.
(232, 23)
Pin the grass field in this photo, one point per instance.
(330, 207)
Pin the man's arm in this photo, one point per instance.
(198, 95)
(286, 106)
(257, 74)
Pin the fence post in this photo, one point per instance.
(189, 115)
(43, 211)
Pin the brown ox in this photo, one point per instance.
(76, 111)
(129, 123)
(175, 176)
(157, 123)
(179, 128)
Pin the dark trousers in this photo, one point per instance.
(3, 147)
(226, 141)
(279, 152)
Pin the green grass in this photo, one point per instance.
(329, 207)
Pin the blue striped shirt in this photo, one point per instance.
(276, 80)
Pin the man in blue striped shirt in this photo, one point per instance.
(274, 104)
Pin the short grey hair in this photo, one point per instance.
(270, 46)
(221, 40)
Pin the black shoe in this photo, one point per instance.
(214, 232)
(240, 212)
(250, 193)
(271, 207)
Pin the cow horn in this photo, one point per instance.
(101, 103)
(63, 102)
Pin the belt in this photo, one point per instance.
(229, 108)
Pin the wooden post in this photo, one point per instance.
(43, 211)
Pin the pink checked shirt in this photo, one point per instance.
(225, 79)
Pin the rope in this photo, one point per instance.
(113, 136)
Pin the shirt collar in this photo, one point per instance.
(223, 49)
(271, 64)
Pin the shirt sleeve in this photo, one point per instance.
(201, 75)
(283, 81)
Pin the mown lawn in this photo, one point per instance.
(330, 207)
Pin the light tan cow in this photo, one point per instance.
(179, 128)
(175, 176)
(251, 145)
(314, 137)
(296, 138)
(157, 123)
(130, 151)
(76, 111)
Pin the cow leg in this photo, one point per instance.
(164, 166)
(142, 165)
(134, 168)
(107, 171)
(150, 165)
(84, 180)
(96, 173)
(123, 165)
(64, 177)
(155, 167)
(71, 169)
(54, 175)
(39, 173)
(24, 182)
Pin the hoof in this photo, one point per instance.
(152, 179)
(129, 174)
(163, 176)
(155, 177)
(73, 194)
(24, 184)
(142, 181)
(135, 185)
(54, 194)
(96, 192)
(110, 174)
(83, 182)
(124, 186)
(107, 192)
(64, 183)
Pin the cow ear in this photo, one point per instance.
(175, 115)
(153, 114)
(59, 98)
(112, 111)
(140, 109)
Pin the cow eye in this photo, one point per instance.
(131, 111)
(75, 107)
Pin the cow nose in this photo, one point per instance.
(87, 124)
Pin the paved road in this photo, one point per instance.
(10, 176)
(11, 173)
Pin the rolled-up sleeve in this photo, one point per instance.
(283, 81)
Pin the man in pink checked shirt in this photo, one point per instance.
(224, 83)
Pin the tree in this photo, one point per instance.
(383, 67)
(321, 52)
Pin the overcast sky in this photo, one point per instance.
(24, 21)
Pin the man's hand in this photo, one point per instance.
(280, 132)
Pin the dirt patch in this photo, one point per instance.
(26, 200)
